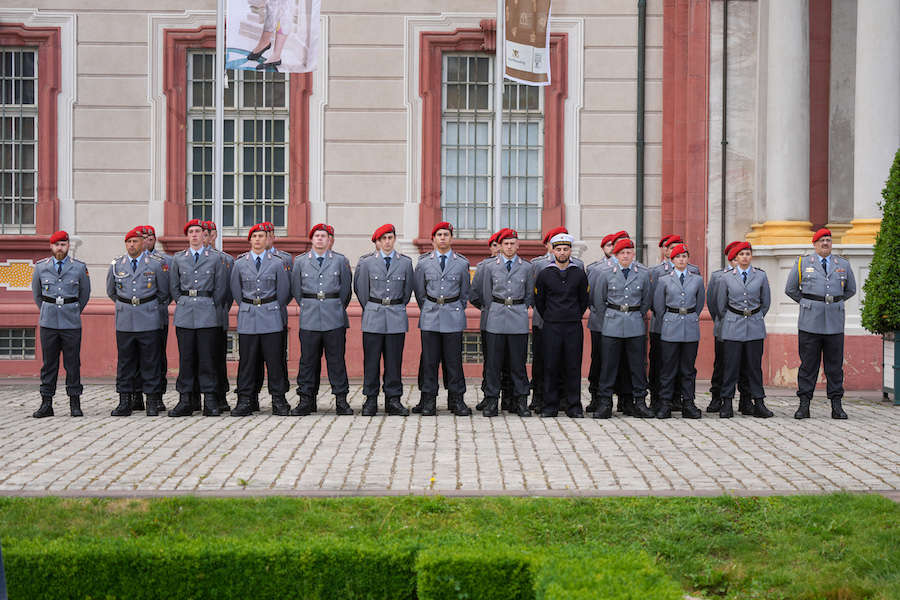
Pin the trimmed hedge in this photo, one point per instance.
(474, 574)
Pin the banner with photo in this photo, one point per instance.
(528, 41)
(272, 35)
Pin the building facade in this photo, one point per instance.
(107, 109)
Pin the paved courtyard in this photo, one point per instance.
(324, 454)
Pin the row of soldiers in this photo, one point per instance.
(619, 291)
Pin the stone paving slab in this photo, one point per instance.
(324, 454)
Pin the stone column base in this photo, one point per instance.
(780, 232)
(838, 231)
(863, 231)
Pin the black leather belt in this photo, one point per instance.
(681, 311)
(745, 312)
(623, 307)
(827, 299)
(386, 301)
(508, 301)
(442, 300)
(136, 301)
(320, 295)
(58, 300)
(258, 301)
(194, 293)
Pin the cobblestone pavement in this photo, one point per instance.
(324, 454)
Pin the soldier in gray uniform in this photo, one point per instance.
(442, 293)
(321, 283)
(821, 284)
(624, 292)
(262, 283)
(61, 289)
(743, 299)
(509, 287)
(138, 283)
(198, 283)
(220, 360)
(595, 322)
(149, 234)
(288, 260)
(383, 283)
(678, 297)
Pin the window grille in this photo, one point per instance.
(18, 139)
(467, 150)
(257, 128)
(17, 343)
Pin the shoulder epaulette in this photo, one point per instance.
(463, 256)
(758, 269)
(367, 255)
(243, 255)
(43, 260)
(117, 259)
(421, 256)
(155, 257)
(75, 260)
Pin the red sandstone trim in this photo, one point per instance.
(177, 43)
(819, 98)
(47, 42)
(433, 44)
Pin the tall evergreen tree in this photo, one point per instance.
(881, 304)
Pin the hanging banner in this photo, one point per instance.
(528, 41)
(272, 35)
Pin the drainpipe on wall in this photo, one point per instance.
(724, 124)
(641, 52)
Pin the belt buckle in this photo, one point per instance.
(508, 302)
(320, 295)
(623, 307)
(682, 311)
(440, 301)
(257, 302)
(60, 300)
(385, 301)
(829, 298)
(135, 301)
(192, 293)
(748, 312)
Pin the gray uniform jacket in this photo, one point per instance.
(373, 281)
(73, 282)
(594, 271)
(669, 293)
(128, 288)
(822, 315)
(657, 272)
(271, 281)
(732, 292)
(328, 290)
(614, 289)
(452, 282)
(229, 300)
(476, 290)
(198, 288)
(712, 289)
(537, 265)
(163, 308)
(515, 285)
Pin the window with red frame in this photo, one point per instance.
(18, 139)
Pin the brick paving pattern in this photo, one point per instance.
(324, 454)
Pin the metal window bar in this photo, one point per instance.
(17, 343)
(256, 146)
(467, 150)
(18, 139)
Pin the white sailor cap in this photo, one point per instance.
(561, 238)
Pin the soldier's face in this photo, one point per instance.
(607, 249)
(387, 242)
(148, 245)
(667, 252)
(134, 246)
(195, 236)
(495, 248)
(625, 257)
(211, 236)
(59, 250)
(330, 241)
(442, 240)
(743, 258)
(823, 245)
(258, 241)
(562, 253)
(204, 236)
(320, 241)
(270, 239)
(680, 261)
(509, 247)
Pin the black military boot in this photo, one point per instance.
(715, 405)
(626, 405)
(508, 402)
(575, 411)
(592, 405)
(341, 406)
(183, 408)
(677, 402)
(124, 407)
(417, 409)
(280, 406)
(196, 405)
(46, 409)
(604, 408)
(640, 409)
(837, 411)
(745, 406)
(303, 408)
(480, 405)
(689, 410)
(75, 406)
(620, 405)
(394, 408)
(760, 410)
(137, 401)
(727, 410)
(489, 408)
(450, 402)
(803, 410)
(153, 405)
(654, 404)
(428, 405)
(254, 403)
(522, 407)
(210, 406)
(458, 406)
(537, 402)
(222, 403)
(243, 407)
(370, 406)
(664, 410)
(160, 405)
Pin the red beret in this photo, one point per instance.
(673, 239)
(507, 234)
(820, 234)
(59, 236)
(136, 232)
(620, 234)
(442, 225)
(149, 230)
(321, 227)
(254, 229)
(383, 230)
(208, 225)
(622, 245)
(662, 240)
(553, 232)
(192, 223)
(267, 227)
(678, 249)
(608, 239)
(730, 246)
(737, 248)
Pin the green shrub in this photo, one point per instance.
(474, 574)
(881, 310)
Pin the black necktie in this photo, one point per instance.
(387, 263)
(196, 257)
(508, 266)
(258, 262)
(320, 259)
(825, 266)
(58, 268)
(626, 271)
(744, 275)
(133, 265)
(443, 261)
(681, 277)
